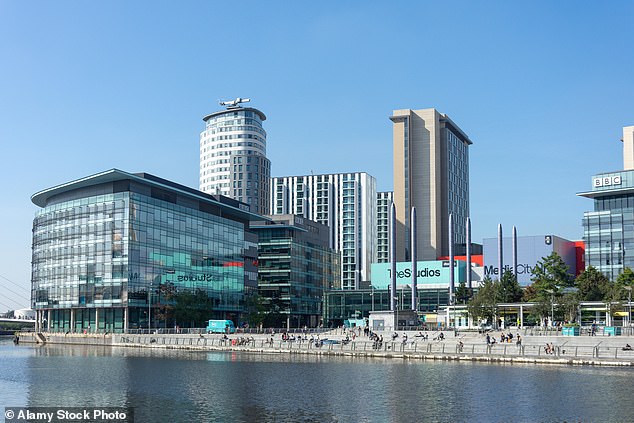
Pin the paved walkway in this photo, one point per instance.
(468, 346)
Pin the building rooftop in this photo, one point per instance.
(230, 206)
(234, 109)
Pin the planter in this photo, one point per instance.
(612, 330)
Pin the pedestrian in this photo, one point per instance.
(488, 339)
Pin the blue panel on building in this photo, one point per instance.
(429, 273)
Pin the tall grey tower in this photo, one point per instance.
(233, 155)
(431, 173)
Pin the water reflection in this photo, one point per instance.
(173, 385)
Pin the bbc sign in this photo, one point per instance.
(606, 181)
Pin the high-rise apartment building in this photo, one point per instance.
(346, 203)
(233, 156)
(431, 173)
(383, 203)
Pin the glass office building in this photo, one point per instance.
(295, 266)
(341, 305)
(103, 247)
(609, 229)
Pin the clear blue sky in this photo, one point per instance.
(542, 88)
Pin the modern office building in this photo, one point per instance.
(233, 159)
(431, 173)
(346, 203)
(105, 244)
(608, 231)
(340, 306)
(383, 203)
(295, 266)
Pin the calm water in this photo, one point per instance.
(232, 387)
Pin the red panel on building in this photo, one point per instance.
(477, 259)
(580, 253)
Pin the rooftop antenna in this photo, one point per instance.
(234, 103)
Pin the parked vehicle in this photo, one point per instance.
(220, 326)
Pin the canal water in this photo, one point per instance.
(175, 386)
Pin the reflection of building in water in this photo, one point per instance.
(102, 242)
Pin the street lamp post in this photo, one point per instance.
(629, 309)
(149, 309)
(552, 305)
(396, 309)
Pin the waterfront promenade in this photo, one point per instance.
(466, 346)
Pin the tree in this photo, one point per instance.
(530, 294)
(165, 308)
(483, 305)
(593, 285)
(508, 289)
(567, 304)
(192, 308)
(551, 273)
(626, 278)
(617, 292)
(549, 276)
(256, 310)
(274, 318)
(463, 294)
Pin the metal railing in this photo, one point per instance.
(561, 351)
(254, 331)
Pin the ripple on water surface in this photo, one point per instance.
(233, 387)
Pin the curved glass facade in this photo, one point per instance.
(100, 261)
